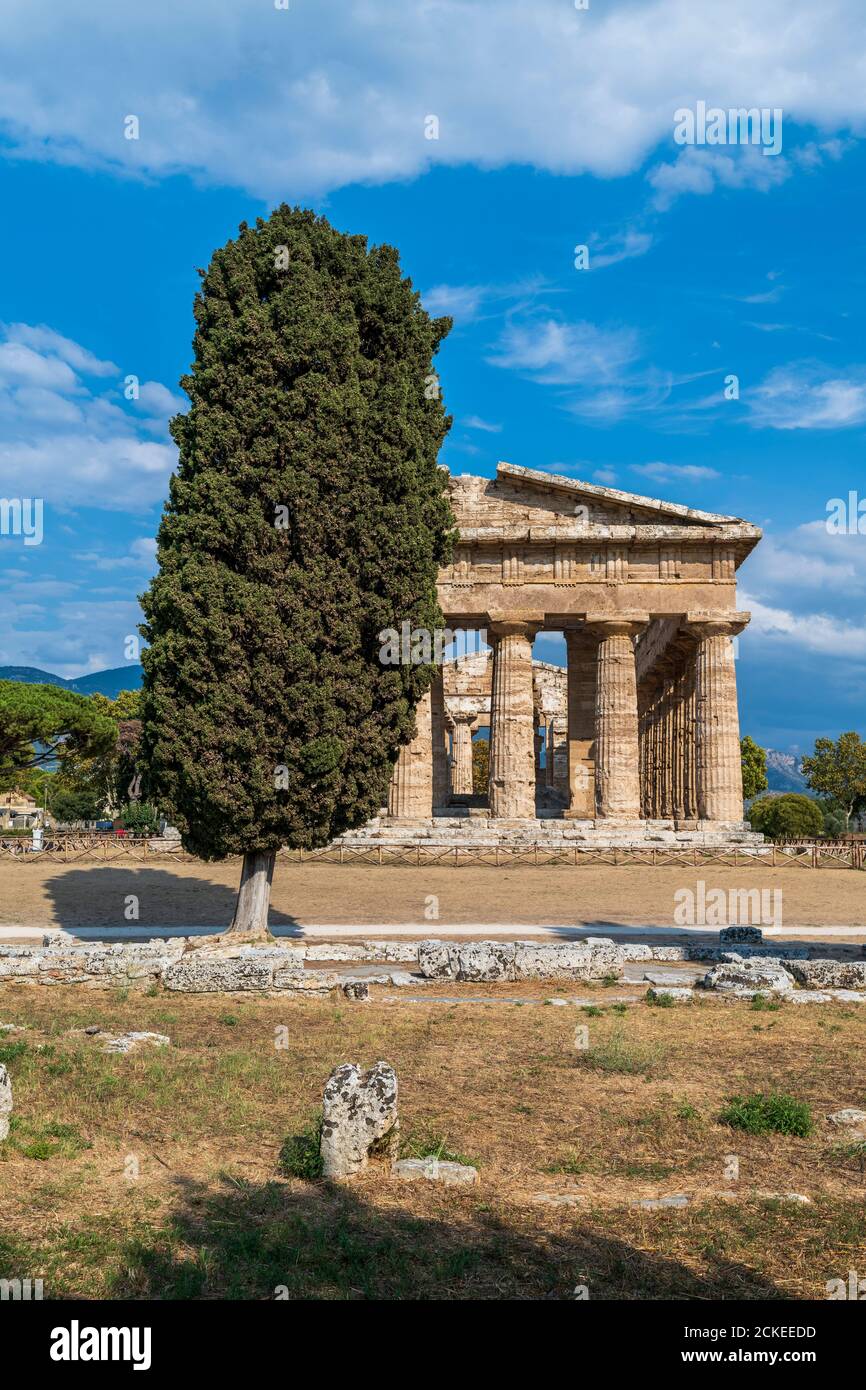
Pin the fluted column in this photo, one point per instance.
(717, 724)
(581, 647)
(512, 722)
(461, 765)
(677, 767)
(410, 795)
(690, 793)
(439, 739)
(617, 760)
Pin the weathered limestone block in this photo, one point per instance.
(485, 960)
(830, 974)
(201, 973)
(436, 1170)
(853, 1122)
(434, 960)
(676, 993)
(359, 1113)
(5, 1102)
(638, 952)
(566, 961)
(288, 977)
(359, 990)
(749, 975)
(128, 1042)
(740, 936)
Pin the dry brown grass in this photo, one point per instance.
(196, 894)
(209, 1214)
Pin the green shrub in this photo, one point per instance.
(300, 1155)
(768, 1113)
(787, 817)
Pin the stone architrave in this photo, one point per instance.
(617, 758)
(410, 795)
(512, 722)
(717, 725)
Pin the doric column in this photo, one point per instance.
(512, 722)
(439, 742)
(690, 793)
(678, 809)
(461, 766)
(581, 647)
(667, 750)
(717, 724)
(617, 785)
(410, 795)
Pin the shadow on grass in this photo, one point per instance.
(97, 897)
(267, 1241)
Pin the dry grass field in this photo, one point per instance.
(183, 1172)
(198, 894)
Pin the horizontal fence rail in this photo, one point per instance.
(106, 849)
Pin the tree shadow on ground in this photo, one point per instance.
(100, 898)
(325, 1241)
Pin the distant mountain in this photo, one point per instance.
(108, 683)
(784, 773)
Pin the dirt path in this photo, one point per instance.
(192, 894)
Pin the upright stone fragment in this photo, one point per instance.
(5, 1102)
(359, 1114)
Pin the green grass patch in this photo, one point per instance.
(771, 1112)
(619, 1054)
(300, 1156)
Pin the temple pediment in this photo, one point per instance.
(524, 504)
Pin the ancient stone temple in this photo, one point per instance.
(640, 732)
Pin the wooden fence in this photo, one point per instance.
(110, 849)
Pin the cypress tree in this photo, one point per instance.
(307, 514)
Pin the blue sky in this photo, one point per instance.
(556, 129)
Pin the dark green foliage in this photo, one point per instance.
(68, 806)
(480, 766)
(52, 718)
(774, 1112)
(139, 818)
(313, 392)
(788, 816)
(754, 763)
(300, 1155)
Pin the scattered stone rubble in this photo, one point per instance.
(128, 1042)
(5, 1102)
(436, 1170)
(359, 1114)
(206, 965)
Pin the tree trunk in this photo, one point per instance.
(251, 908)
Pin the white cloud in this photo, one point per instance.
(820, 633)
(71, 442)
(556, 353)
(461, 302)
(699, 170)
(290, 102)
(474, 422)
(666, 472)
(624, 247)
(809, 395)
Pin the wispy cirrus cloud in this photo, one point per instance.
(808, 395)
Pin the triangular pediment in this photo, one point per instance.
(528, 497)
